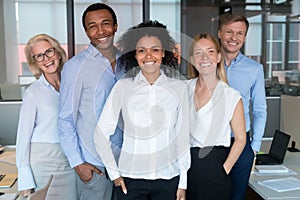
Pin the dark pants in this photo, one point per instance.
(207, 178)
(141, 189)
(241, 171)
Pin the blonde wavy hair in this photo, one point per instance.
(32, 63)
(192, 71)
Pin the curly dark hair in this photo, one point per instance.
(127, 43)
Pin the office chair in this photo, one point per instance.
(41, 194)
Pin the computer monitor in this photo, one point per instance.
(9, 118)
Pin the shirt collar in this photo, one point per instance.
(140, 77)
(44, 81)
(236, 59)
(94, 51)
(239, 57)
(120, 70)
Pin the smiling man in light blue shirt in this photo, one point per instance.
(246, 76)
(87, 80)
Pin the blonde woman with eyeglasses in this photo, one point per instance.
(38, 151)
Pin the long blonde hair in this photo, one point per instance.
(32, 63)
(192, 71)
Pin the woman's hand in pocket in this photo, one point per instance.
(120, 182)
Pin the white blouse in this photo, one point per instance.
(210, 125)
(37, 123)
(156, 132)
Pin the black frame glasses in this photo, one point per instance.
(41, 56)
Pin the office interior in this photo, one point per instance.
(273, 39)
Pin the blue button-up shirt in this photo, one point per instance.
(247, 76)
(86, 82)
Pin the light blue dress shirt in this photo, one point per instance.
(37, 123)
(247, 76)
(86, 82)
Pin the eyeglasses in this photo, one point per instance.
(41, 56)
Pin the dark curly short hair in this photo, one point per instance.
(127, 43)
(98, 6)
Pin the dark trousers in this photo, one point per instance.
(141, 189)
(207, 178)
(241, 171)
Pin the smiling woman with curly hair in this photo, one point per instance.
(155, 155)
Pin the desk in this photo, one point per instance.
(292, 161)
(8, 168)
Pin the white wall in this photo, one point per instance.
(11, 46)
(253, 40)
(2, 46)
(290, 112)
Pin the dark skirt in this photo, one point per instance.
(207, 178)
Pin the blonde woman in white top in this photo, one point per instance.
(38, 151)
(217, 110)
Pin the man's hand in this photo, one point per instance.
(26, 193)
(180, 195)
(254, 161)
(85, 171)
(255, 152)
(120, 182)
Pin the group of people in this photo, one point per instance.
(121, 123)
